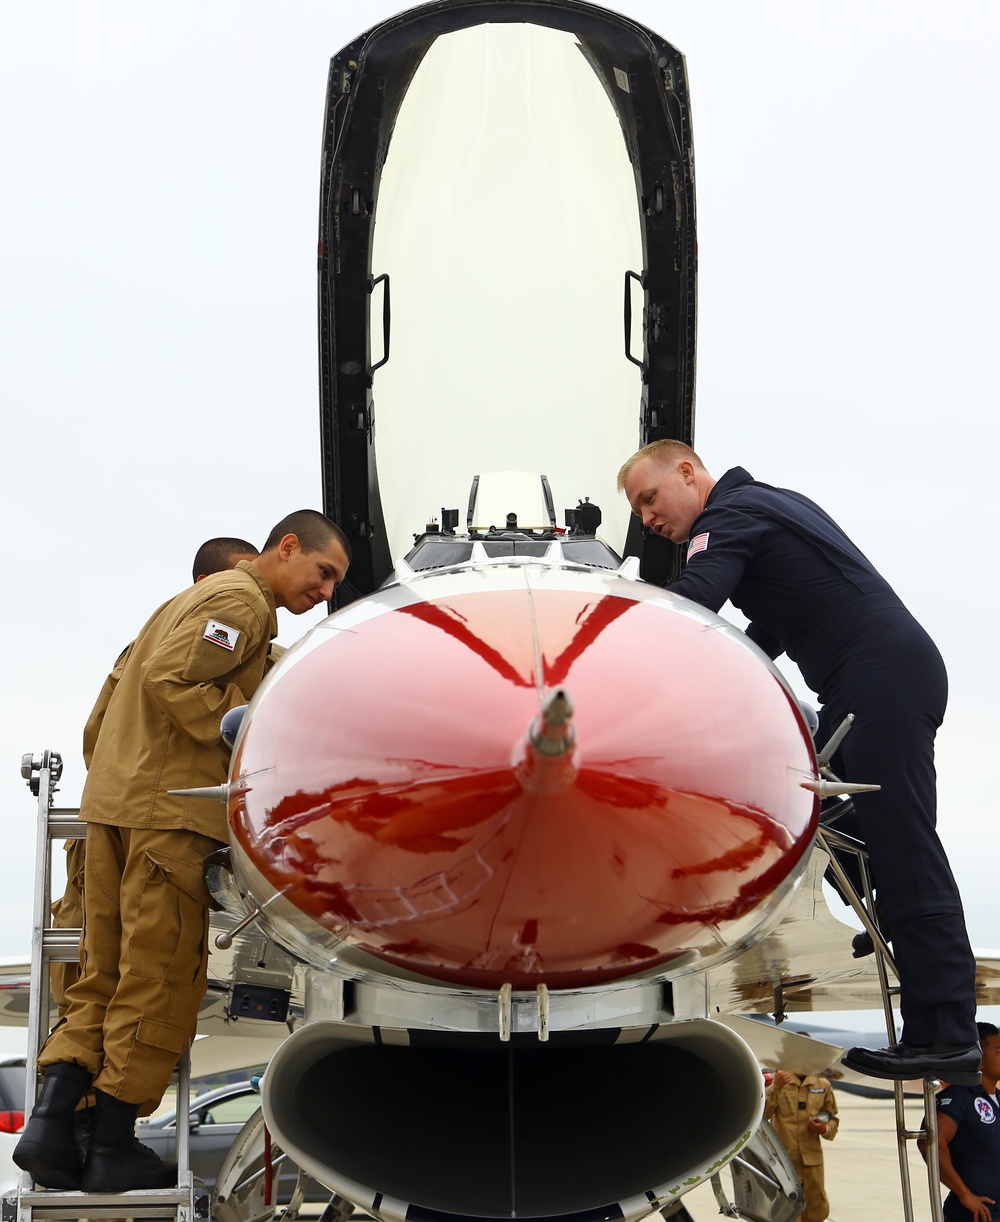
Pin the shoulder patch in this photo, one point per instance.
(221, 634)
(985, 1110)
(698, 544)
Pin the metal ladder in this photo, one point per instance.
(833, 841)
(49, 945)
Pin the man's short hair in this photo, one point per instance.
(664, 451)
(986, 1030)
(216, 555)
(314, 531)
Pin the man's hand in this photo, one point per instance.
(781, 1078)
(979, 1207)
(816, 1125)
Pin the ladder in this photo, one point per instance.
(186, 1202)
(833, 842)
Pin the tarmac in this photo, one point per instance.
(862, 1166)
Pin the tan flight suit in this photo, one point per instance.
(145, 927)
(790, 1122)
(67, 912)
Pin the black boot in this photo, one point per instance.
(115, 1161)
(47, 1148)
(83, 1118)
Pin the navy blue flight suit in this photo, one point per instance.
(975, 1148)
(811, 594)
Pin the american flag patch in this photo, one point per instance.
(698, 544)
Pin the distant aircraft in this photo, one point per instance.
(516, 837)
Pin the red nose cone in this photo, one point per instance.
(380, 785)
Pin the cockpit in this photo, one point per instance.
(526, 529)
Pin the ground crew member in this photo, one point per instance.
(145, 941)
(217, 555)
(968, 1120)
(810, 593)
(214, 556)
(802, 1109)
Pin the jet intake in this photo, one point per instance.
(602, 1124)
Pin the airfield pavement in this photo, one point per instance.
(862, 1168)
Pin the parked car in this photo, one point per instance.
(12, 1087)
(216, 1117)
(215, 1120)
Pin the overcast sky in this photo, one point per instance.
(160, 172)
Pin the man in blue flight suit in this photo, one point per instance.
(968, 1121)
(810, 593)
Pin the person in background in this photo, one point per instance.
(218, 555)
(968, 1123)
(802, 1109)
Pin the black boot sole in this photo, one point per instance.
(126, 1183)
(105, 1174)
(962, 1079)
(36, 1158)
(48, 1154)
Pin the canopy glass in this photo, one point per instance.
(506, 218)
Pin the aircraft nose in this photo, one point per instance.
(446, 822)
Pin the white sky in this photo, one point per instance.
(160, 173)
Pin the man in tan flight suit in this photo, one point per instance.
(802, 1109)
(145, 941)
(214, 556)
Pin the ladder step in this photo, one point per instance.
(71, 1213)
(145, 1203)
(60, 945)
(189, 1201)
(66, 825)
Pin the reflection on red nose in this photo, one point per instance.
(381, 784)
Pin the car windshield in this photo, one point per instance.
(235, 1110)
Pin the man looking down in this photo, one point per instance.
(145, 941)
(810, 593)
(214, 556)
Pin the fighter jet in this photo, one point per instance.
(509, 804)
(515, 833)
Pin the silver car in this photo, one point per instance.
(216, 1119)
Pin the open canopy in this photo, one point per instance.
(507, 269)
